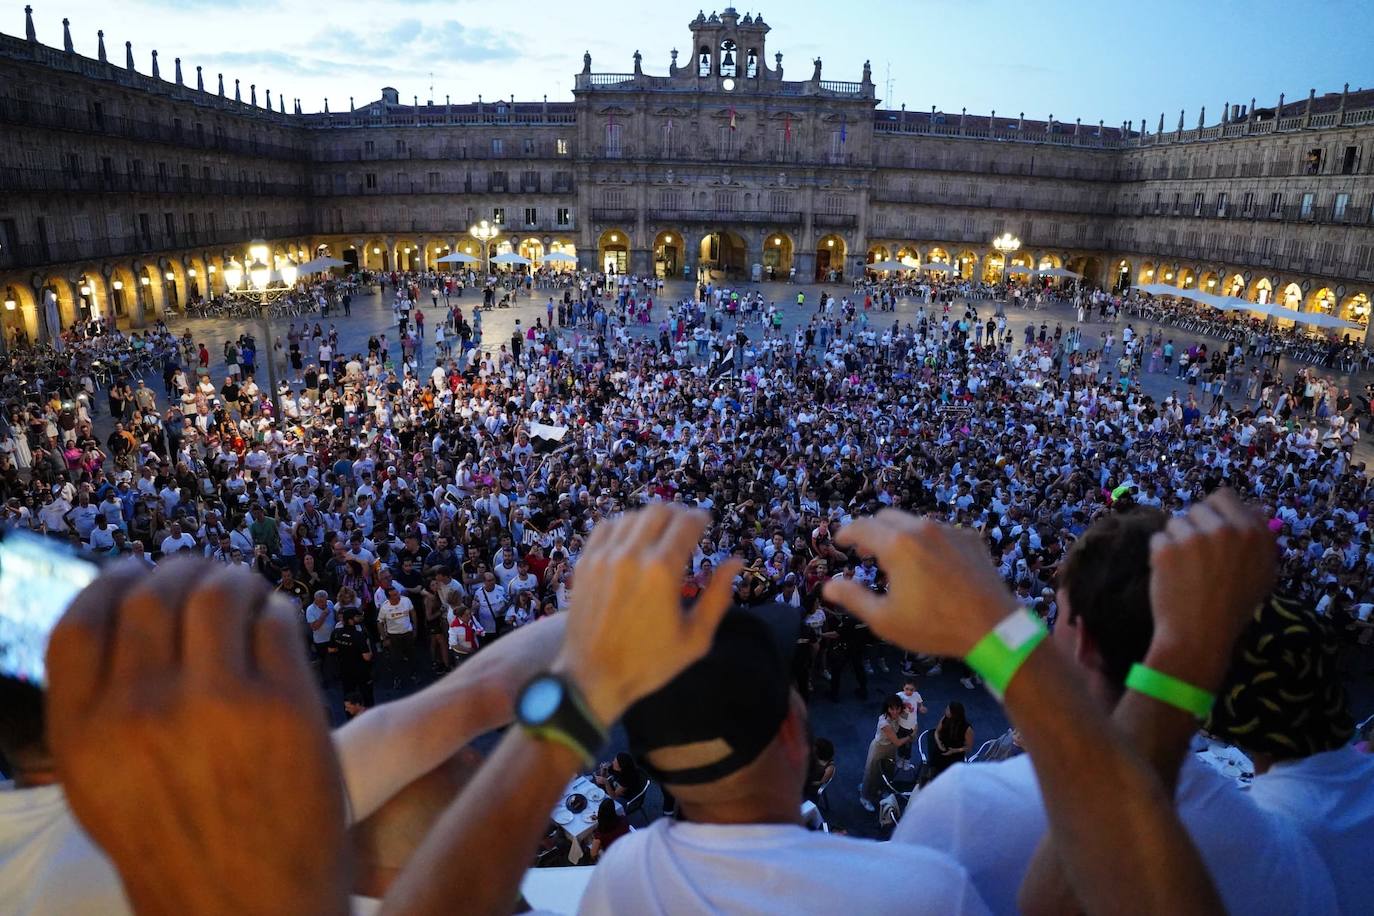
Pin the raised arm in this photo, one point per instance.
(623, 641)
(1123, 847)
(1209, 569)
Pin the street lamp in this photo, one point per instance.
(257, 281)
(1006, 245)
(485, 232)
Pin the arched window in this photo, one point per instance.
(728, 65)
(704, 61)
(751, 64)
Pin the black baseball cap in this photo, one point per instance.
(718, 715)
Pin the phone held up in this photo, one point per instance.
(39, 578)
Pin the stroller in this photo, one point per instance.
(899, 784)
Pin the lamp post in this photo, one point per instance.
(262, 284)
(1006, 245)
(485, 232)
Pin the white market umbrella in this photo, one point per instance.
(315, 265)
(510, 257)
(1323, 320)
(1018, 269)
(560, 257)
(939, 266)
(889, 265)
(1058, 272)
(457, 257)
(1158, 289)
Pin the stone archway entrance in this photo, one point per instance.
(831, 252)
(668, 254)
(724, 252)
(777, 256)
(613, 251)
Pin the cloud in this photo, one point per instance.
(409, 39)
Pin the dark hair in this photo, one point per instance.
(1106, 576)
(626, 762)
(891, 702)
(825, 749)
(607, 815)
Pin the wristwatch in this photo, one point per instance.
(550, 707)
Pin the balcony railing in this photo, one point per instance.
(37, 114)
(135, 245)
(21, 180)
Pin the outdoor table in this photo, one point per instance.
(579, 826)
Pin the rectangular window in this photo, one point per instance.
(107, 168)
(370, 181)
(1313, 161)
(400, 147)
(1221, 204)
(670, 200)
(1178, 201)
(529, 181)
(531, 216)
(1199, 199)
(498, 216)
(497, 181)
(529, 146)
(191, 228)
(561, 145)
(1305, 209)
(169, 223)
(369, 147)
(1275, 204)
(1350, 160)
(498, 147)
(73, 165)
(613, 140)
(1338, 210)
(564, 216)
(1248, 204)
(433, 181)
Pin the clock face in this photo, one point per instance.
(540, 700)
(728, 84)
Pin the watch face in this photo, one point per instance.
(540, 700)
(728, 84)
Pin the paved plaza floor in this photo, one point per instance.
(849, 722)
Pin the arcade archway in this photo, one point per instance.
(668, 254)
(1147, 273)
(1356, 308)
(1121, 276)
(830, 258)
(966, 264)
(613, 251)
(1321, 300)
(1234, 286)
(777, 256)
(724, 251)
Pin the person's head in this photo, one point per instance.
(354, 704)
(892, 707)
(954, 713)
(1105, 622)
(607, 815)
(1284, 696)
(909, 686)
(824, 749)
(23, 739)
(729, 734)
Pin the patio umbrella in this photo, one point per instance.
(1018, 269)
(510, 257)
(315, 265)
(939, 266)
(560, 257)
(1058, 272)
(1158, 289)
(456, 257)
(889, 265)
(1323, 320)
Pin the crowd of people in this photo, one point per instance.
(425, 500)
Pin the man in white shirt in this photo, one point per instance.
(990, 817)
(737, 702)
(176, 540)
(1294, 725)
(397, 623)
(491, 601)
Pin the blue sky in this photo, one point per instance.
(1070, 58)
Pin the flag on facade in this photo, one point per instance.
(732, 119)
(724, 365)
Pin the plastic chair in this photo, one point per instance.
(923, 750)
(636, 805)
(982, 748)
(822, 801)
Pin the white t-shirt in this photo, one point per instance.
(677, 867)
(989, 817)
(1331, 798)
(171, 545)
(911, 706)
(395, 618)
(48, 866)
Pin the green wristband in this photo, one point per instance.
(1170, 690)
(1000, 654)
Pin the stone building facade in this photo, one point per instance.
(125, 192)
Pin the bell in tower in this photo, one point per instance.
(727, 58)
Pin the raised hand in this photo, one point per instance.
(1209, 569)
(943, 594)
(191, 742)
(628, 633)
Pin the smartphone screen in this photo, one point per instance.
(38, 580)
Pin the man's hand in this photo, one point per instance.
(943, 594)
(628, 633)
(224, 793)
(1209, 569)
